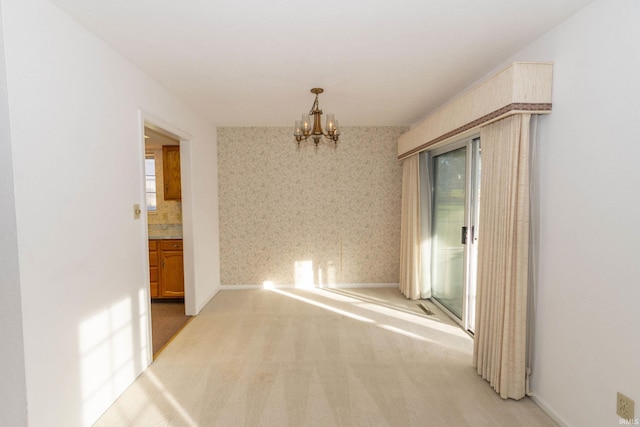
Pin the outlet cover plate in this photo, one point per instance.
(625, 407)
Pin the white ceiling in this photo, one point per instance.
(381, 62)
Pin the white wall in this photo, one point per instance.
(13, 394)
(74, 106)
(588, 302)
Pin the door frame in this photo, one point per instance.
(164, 127)
(472, 144)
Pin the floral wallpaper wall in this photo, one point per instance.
(305, 216)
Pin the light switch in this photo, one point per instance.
(136, 211)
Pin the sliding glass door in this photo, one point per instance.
(455, 172)
(448, 219)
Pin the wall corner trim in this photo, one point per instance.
(522, 87)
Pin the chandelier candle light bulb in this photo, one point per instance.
(306, 124)
(331, 126)
(303, 130)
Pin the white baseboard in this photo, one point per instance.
(336, 286)
(547, 410)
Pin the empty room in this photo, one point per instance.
(362, 213)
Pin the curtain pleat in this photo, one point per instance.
(425, 224)
(410, 268)
(503, 256)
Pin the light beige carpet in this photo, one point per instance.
(317, 358)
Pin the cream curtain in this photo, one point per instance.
(410, 268)
(425, 224)
(503, 256)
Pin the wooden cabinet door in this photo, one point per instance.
(172, 281)
(153, 268)
(171, 172)
(153, 275)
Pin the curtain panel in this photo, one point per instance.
(503, 257)
(410, 266)
(425, 224)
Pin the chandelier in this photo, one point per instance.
(303, 129)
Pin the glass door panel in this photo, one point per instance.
(448, 251)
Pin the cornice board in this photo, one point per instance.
(483, 121)
(521, 87)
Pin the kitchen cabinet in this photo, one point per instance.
(168, 270)
(171, 172)
(153, 267)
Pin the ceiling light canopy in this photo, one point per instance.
(303, 129)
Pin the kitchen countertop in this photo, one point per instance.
(165, 237)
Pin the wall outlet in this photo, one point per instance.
(625, 407)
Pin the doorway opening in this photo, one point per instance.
(165, 237)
